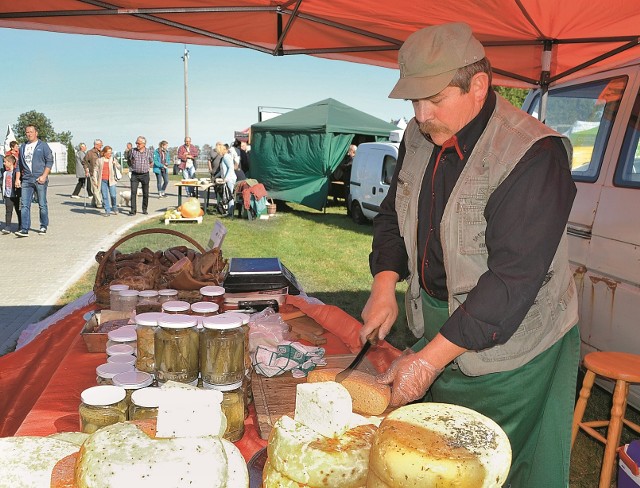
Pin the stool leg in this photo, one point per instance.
(613, 432)
(581, 404)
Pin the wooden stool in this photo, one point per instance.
(624, 369)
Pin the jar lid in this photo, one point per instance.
(103, 395)
(220, 322)
(212, 291)
(148, 397)
(204, 307)
(148, 293)
(132, 379)
(167, 292)
(230, 387)
(116, 349)
(118, 287)
(126, 333)
(177, 321)
(122, 359)
(243, 316)
(109, 370)
(129, 293)
(175, 306)
(149, 319)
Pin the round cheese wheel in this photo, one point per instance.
(437, 444)
(272, 478)
(306, 457)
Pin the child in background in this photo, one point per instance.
(10, 193)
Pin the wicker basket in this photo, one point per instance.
(101, 285)
(271, 208)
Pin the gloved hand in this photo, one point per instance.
(410, 376)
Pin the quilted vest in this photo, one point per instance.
(508, 136)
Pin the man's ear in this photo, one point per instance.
(479, 86)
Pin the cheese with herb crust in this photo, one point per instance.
(323, 407)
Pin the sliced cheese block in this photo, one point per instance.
(369, 397)
(189, 413)
(27, 462)
(122, 456)
(76, 438)
(237, 472)
(309, 458)
(324, 407)
(437, 444)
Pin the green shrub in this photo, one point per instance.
(71, 159)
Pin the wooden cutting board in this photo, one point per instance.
(274, 397)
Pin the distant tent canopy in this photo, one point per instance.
(294, 154)
(242, 135)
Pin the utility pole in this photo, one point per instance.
(185, 58)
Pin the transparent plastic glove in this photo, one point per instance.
(410, 376)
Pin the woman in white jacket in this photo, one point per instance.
(105, 173)
(227, 172)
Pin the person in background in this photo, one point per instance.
(228, 174)
(141, 164)
(187, 154)
(244, 158)
(160, 167)
(216, 160)
(127, 154)
(35, 162)
(10, 193)
(105, 173)
(89, 164)
(80, 172)
(475, 221)
(14, 149)
(240, 176)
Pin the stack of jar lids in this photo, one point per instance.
(122, 359)
(116, 349)
(109, 370)
(133, 380)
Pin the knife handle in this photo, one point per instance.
(373, 336)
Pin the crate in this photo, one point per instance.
(197, 220)
(97, 341)
(628, 470)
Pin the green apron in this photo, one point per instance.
(533, 403)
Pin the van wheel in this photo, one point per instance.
(356, 214)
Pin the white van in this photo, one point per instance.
(371, 172)
(601, 115)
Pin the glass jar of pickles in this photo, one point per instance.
(132, 381)
(101, 406)
(204, 309)
(167, 294)
(105, 372)
(213, 294)
(248, 367)
(148, 301)
(176, 307)
(146, 325)
(122, 335)
(144, 403)
(114, 295)
(233, 408)
(222, 349)
(127, 301)
(176, 349)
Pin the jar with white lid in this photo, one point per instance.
(167, 294)
(115, 349)
(248, 366)
(222, 349)
(114, 295)
(233, 408)
(204, 309)
(122, 359)
(176, 349)
(105, 372)
(146, 325)
(123, 335)
(127, 301)
(213, 294)
(148, 301)
(101, 406)
(131, 381)
(145, 403)
(176, 307)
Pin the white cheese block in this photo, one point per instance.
(122, 456)
(307, 457)
(27, 462)
(324, 407)
(189, 413)
(237, 472)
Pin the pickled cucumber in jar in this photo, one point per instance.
(222, 350)
(146, 324)
(176, 349)
(144, 403)
(101, 406)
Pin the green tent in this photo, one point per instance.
(294, 154)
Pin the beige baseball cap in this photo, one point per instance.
(430, 57)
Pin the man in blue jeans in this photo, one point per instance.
(35, 163)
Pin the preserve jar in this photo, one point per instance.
(167, 294)
(233, 408)
(105, 372)
(131, 381)
(122, 335)
(114, 295)
(248, 366)
(122, 359)
(176, 349)
(222, 350)
(176, 307)
(204, 309)
(146, 325)
(144, 403)
(213, 294)
(127, 300)
(148, 301)
(115, 349)
(101, 406)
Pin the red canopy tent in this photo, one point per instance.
(577, 37)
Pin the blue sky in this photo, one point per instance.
(115, 89)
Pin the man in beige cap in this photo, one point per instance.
(475, 222)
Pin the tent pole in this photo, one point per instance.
(544, 79)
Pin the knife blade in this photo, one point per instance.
(372, 339)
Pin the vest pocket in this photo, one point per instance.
(471, 229)
(403, 197)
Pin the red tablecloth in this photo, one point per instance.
(40, 384)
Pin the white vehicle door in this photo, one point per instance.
(382, 162)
